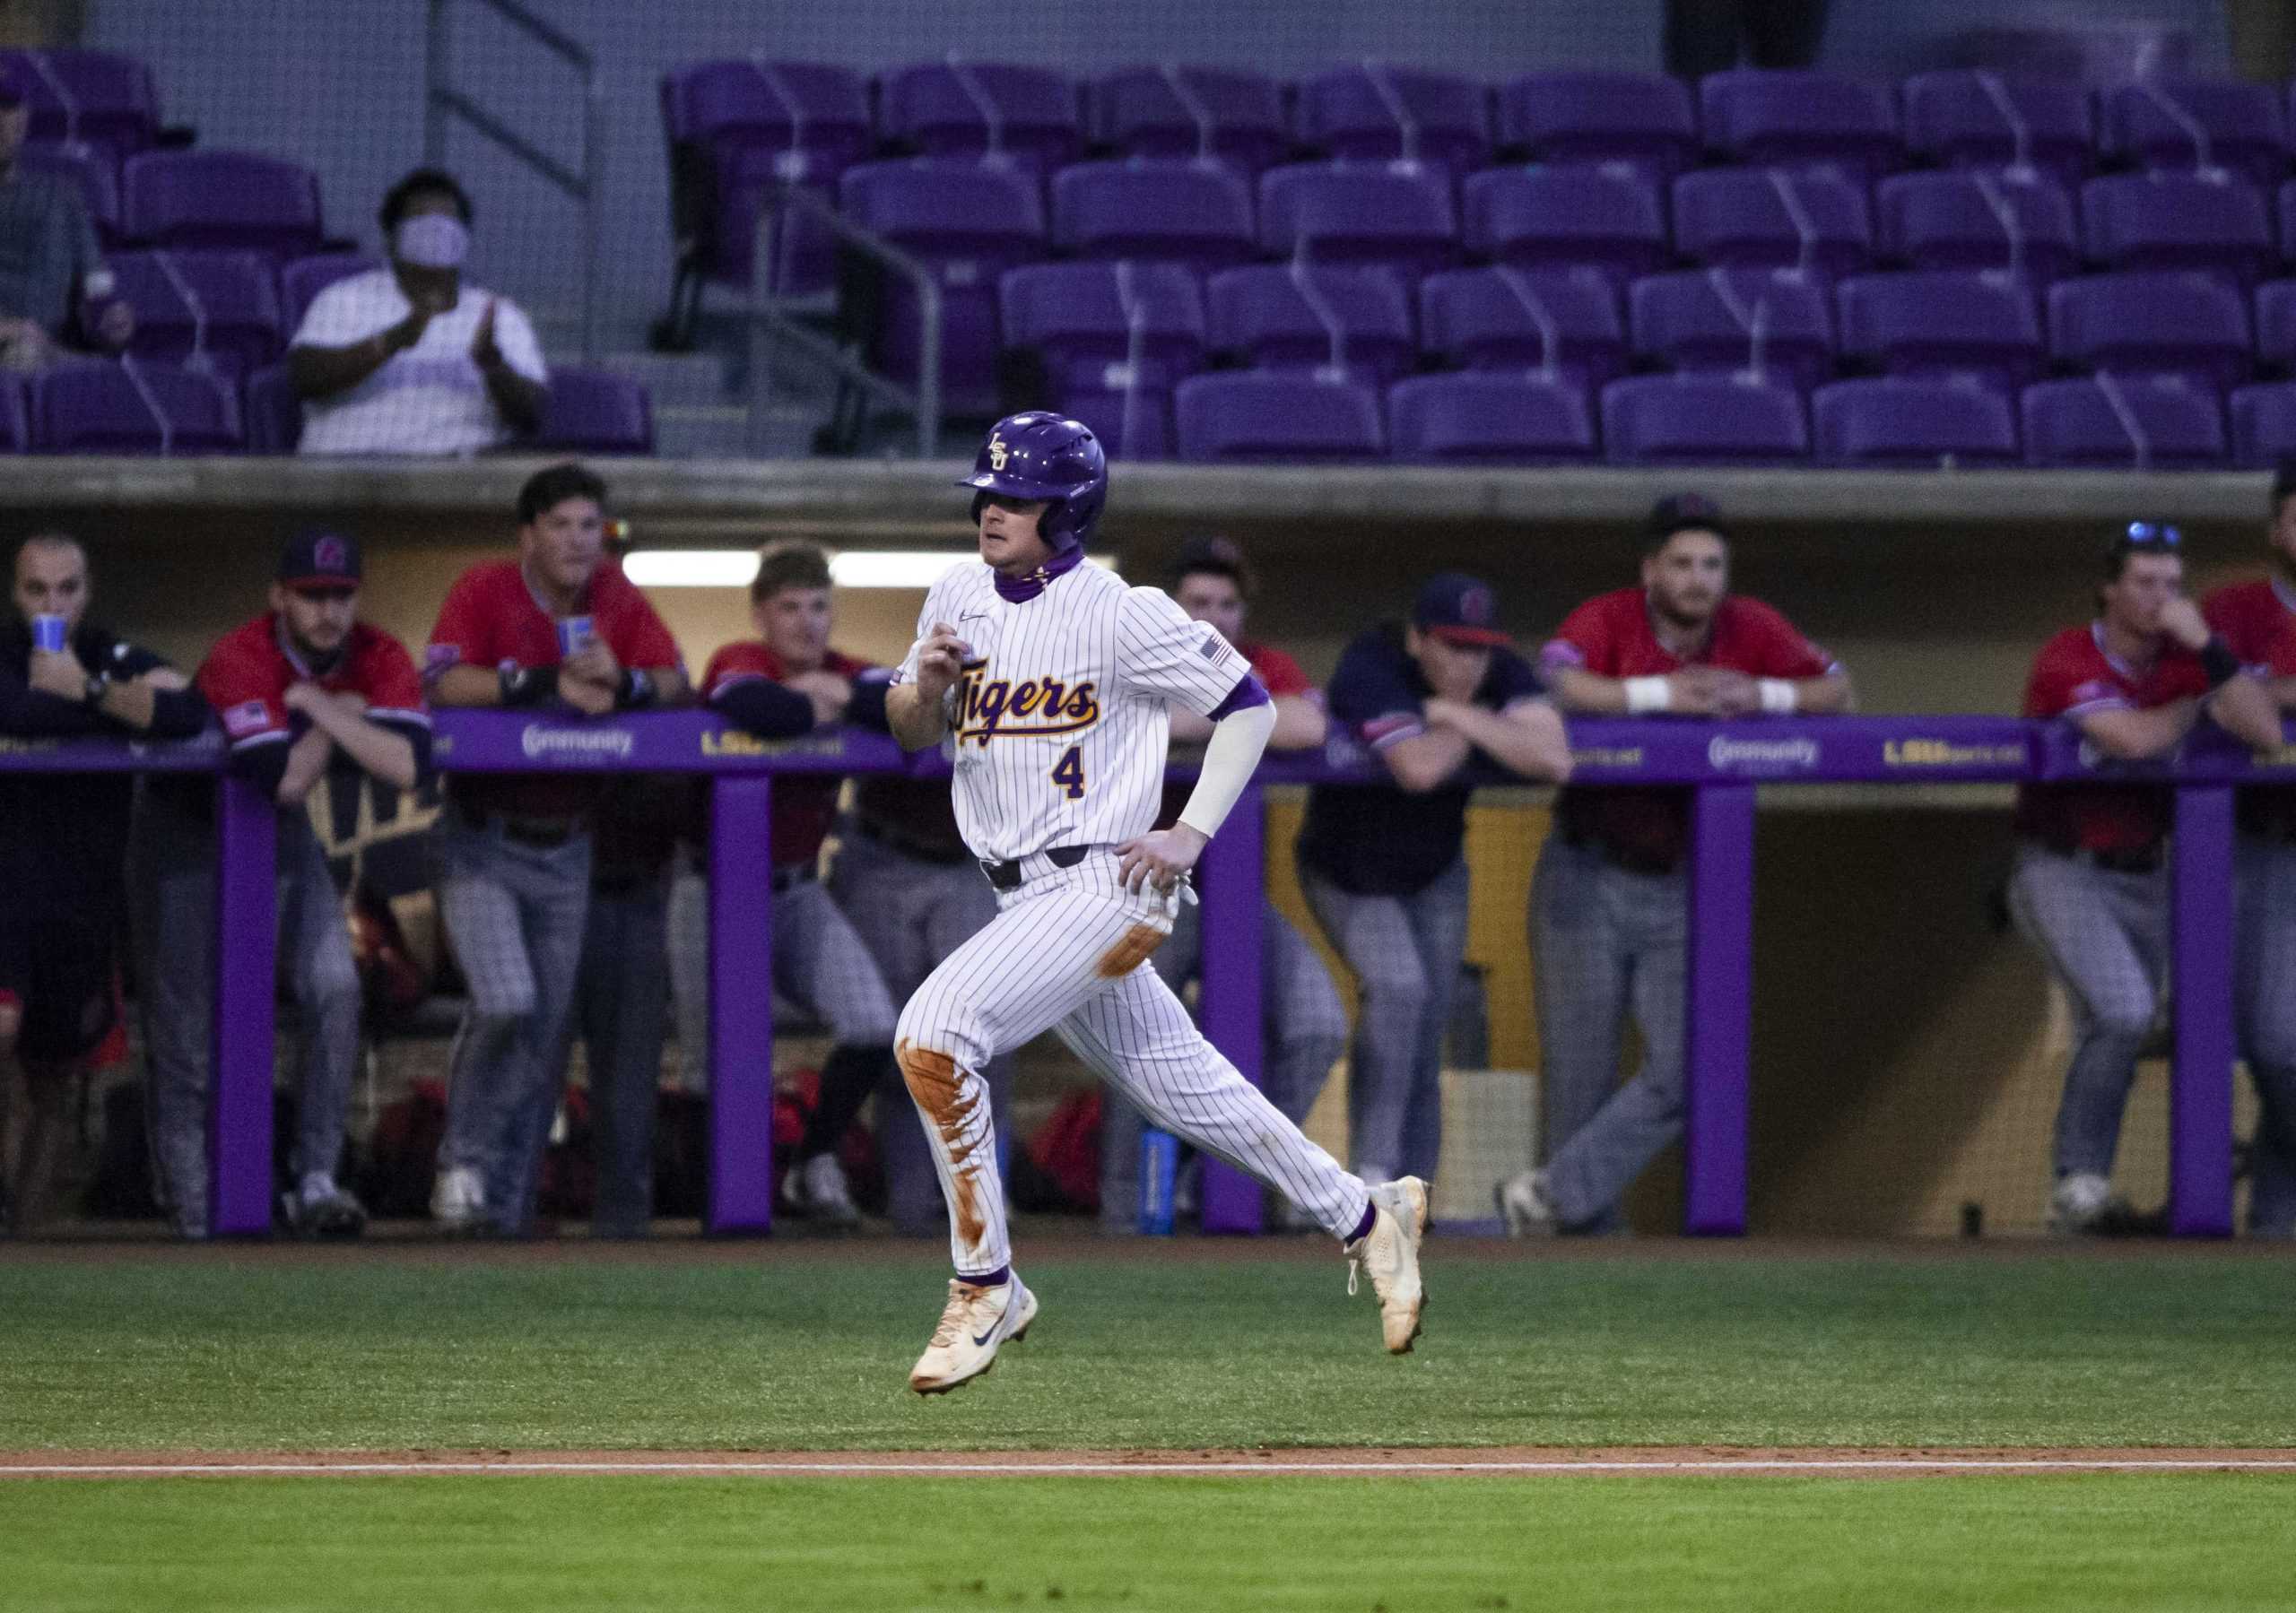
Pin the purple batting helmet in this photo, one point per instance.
(1039, 455)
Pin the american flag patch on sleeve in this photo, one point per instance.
(244, 720)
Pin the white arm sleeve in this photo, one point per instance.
(1229, 758)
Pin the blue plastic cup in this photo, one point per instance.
(574, 635)
(1160, 1157)
(50, 633)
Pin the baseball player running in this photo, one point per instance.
(2258, 620)
(1051, 681)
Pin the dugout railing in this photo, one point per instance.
(1723, 765)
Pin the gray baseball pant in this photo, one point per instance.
(1607, 943)
(171, 881)
(515, 913)
(1304, 1033)
(1406, 952)
(911, 912)
(2105, 935)
(2265, 959)
(621, 1013)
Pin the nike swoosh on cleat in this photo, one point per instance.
(986, 1337)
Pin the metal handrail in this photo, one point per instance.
(586, 188)
(769, 321)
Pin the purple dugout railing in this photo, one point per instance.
(1723, 763)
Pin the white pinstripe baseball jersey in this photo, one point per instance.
(1060, 720)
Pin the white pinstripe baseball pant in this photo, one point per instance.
(1064, 953)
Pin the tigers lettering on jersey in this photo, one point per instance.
(991, 707)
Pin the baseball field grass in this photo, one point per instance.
(435, 1355)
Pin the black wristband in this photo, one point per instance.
(2218, 661)
(637, 690)
(527, 685)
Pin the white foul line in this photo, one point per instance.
(1023, 1470)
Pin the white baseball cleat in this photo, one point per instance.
(2081, 1202)
(458, 1198)
(1526, 1205)
(1390, 1251)
(973, 1324)
(817, 1191)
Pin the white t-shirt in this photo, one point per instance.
(1063, 713)
(429, 399)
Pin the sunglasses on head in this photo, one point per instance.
(2153, 535)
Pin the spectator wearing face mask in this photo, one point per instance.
(412, 359)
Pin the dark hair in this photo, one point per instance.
(2139, 537)
(2284, 485)
(548, 488)
(422, 182)
(1217, 557)
(793, 563)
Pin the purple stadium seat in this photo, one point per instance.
(595, 411)
(2170, 221)
(1491, 417)
(1799, 119)
(193, 307)
(1643, 118)
(1505, 318)
(2198, 122)
(135, 407)
(1942, 323)
(2166, 323)
(2156, 422)
(232, 199)
(91, 95)
(1265, 418)
(968, 221)
(16, 430)
(958, 109)
(1162, 209)
(1978, 219)
(305, 278)
(1771, 321)
(1372, 112)
(1750, 218)
(737, 129)
(2288, 221)
(1973, 117)
(94, 169)
(1197, 112)
(1703, 419)
(2264, 424)
(1299, 317)
(1578, 213)
(1916, 424)
(1105, 343)
(2276, 327)
(273, 411)
(1342, 213)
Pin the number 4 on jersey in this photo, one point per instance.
(1069, 772)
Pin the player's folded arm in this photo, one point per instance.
(756, 704)
(2126, 734)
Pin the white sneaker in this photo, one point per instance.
(973, 1324)
(317, 1208)
(458, 1198)
(1526, 1205)
(2080, 1203)
(1390, 1251)
(817, 1191)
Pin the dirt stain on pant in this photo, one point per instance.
(937, 1086)
(1133, 947)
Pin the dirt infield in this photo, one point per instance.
(1520, 1461)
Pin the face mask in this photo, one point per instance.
(433, 240)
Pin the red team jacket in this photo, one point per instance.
(491, 619)
(804, 805)
(246, 675)
(1611, 636)
(2072, 677)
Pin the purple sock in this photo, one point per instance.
(1364, 1228)
(994, 1280)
